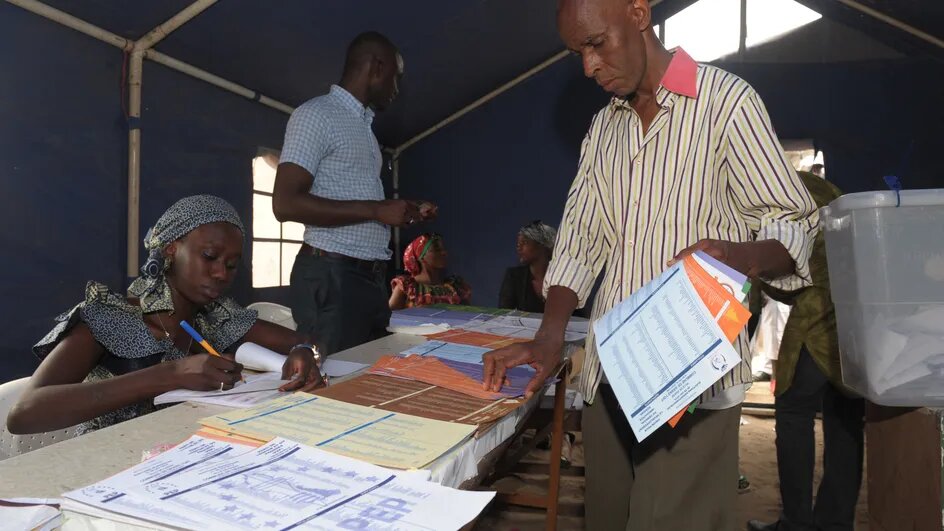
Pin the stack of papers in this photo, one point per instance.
(479, 339)
(421, 399)
(491, 321)
(376, 436)
(671, 340)
(40, 514)
(459, 376)
(448, 351)
(209, 484)
(904, 357)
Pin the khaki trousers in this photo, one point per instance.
(681, 479)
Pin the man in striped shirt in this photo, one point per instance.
(683, 158)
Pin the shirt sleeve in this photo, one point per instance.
(583, 240)
(306, 138)
(767, 190)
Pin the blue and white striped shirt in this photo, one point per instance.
(331, 137)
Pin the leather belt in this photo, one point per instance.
(367, 265)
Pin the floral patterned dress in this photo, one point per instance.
(453, 290)
(129, 345)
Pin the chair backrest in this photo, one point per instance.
(274, 313)
(13, 445)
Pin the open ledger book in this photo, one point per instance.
(256, 388)
(671, 340)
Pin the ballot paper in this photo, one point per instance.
(256, 389)
(448, 351)
(904, 357)
(667, 343)
(732, 280)
(462, 377)
(30, 513)
(373, 435)
(493, 321)
(280, 485)
(258, 358)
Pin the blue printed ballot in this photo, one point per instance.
(207, 484)
(669, 342)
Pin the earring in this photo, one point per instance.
(167, 263)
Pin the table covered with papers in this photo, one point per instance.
(55, 471)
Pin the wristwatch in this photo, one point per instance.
(318, 360)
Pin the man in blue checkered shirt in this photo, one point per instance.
(329, 179)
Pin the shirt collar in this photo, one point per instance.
(348, 100)
(681, 77)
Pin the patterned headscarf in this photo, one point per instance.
(179, 220)
(540, 233)
(414, 253)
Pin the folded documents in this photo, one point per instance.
(668, 342)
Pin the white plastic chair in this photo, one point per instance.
(274, 313)
(12, 445)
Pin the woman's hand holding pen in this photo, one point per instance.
(204, 372)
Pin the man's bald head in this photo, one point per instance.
(609, 35)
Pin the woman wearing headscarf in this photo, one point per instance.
(523, 285)
(110, 355)
(425, 283)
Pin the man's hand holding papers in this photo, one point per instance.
(764, 259)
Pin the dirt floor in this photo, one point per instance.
(761, 500)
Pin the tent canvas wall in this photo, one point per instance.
(64, 149)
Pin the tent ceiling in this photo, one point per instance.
(455, 51)
(924, 15)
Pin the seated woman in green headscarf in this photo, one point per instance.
(108, 357)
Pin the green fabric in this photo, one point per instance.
(812, 320)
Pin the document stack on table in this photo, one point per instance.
(379, 437)
(671, 340)
(205, 483)
(438, 318)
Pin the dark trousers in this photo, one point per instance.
(339, 303)
(842, 454)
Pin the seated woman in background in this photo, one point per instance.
(523, 285)
(107, 358)
(426, 282)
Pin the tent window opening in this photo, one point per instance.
(711, 29)
(274, 244)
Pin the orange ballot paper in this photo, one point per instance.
(669, 342)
